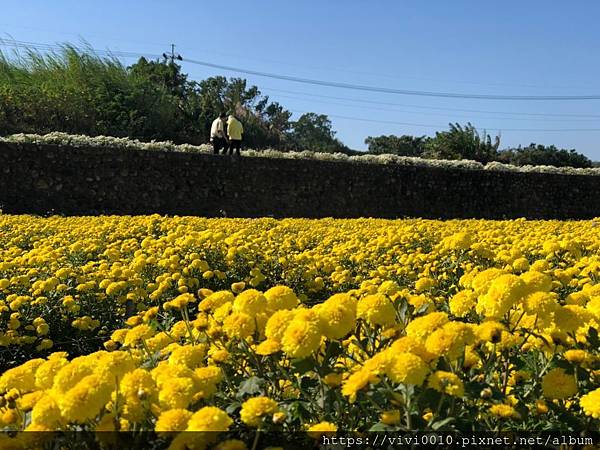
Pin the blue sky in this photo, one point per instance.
(508, 48)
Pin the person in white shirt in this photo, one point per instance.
(218, 134)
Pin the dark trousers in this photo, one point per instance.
(218, 144)
(235, 144)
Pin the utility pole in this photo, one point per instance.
(172, 57)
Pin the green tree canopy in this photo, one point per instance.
(463, 142)
(404, 145)
(537, 154)
(314, 132)
(162, 73)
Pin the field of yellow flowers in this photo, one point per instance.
(245, 327)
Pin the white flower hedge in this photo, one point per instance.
(76, 140)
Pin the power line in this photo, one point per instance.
(390, 76)
(375, 102)
(362, 119)
(358, 87)
(335, 84)
(432, 113)
(50, 47)
(54, 48)
(320, 68)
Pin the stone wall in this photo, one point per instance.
(45, 179)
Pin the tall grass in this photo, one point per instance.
(75, 90)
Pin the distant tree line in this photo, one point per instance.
(465, 142)
(77, 91)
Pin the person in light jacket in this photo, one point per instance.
(235, 131)
(218, 135)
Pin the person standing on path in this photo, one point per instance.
(234, 131)
(218, 135)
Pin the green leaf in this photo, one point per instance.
(497, 394)
(424, 307)
(334, 349)
(593, 338)
(402, 310)
(303, 365)
(379, 427)
(520, 364)
(566, 365)
(299, 410)
(378, 396)
(438, 424)
(251, 386)
(430, 398)
(473, 388)
(307, 383)
(232, 408)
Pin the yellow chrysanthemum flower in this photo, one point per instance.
(255, 409)
(557, 384)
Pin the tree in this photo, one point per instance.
(404, 145)
(462, 143)
(277, 117)
(537, 154)
(314, 132)
(161, 73)
(266, 124)
(240, 98)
